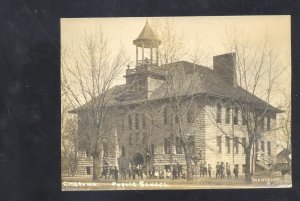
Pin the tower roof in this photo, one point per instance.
(147, 38)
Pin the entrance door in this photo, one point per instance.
(138, 159)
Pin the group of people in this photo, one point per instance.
(222, 168)
(109, 171)
(134, 171)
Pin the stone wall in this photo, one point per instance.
(204, 129)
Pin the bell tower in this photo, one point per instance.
(148, 43)
(137, 79)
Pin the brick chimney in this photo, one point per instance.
(224, 66)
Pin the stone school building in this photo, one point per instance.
(144, 127)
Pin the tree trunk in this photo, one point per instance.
(96, 166)
(189, 173)
(248, 165)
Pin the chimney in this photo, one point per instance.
(224, 66)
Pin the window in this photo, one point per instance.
(130, 139)
(176, 119)
(105, 151)
(122, 125)
(219, 143)
(88, 170)
(262, 123)
(228, 115)
(144, 121)
(166, 118)
(262, 146)
(236, 116)
(227, 139)
(269, 147)
(178, 146)
(123, 151)
(219, 112)
(130, 122)
(152, 149)
(87, 153)
(190, 116)
(268, 123)
(244, 168)
(244, 144)
(137, 138)
(167, 146)
(244, 120)
(236, 145)
(191, 144)
(137, 125)
(144, 137)
(236, 166)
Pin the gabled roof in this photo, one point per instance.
(147, 38)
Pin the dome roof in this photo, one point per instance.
(147, 37)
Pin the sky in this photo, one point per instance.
(210, 30)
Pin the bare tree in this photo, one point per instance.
(69, 145)
(179, 87)
(256, 74)
(89, 71)
(285, 129)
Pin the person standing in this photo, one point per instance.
(205, 170)
(209, 170)
(178, 170)
(201, 169)
(174, 172)
(217, 170)
(222, 171)
(236, 172)
(228, 172)
(116, 173)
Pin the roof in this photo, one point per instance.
(147, 38)
(206, 81)
(197, 79)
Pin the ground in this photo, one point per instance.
(259, 181)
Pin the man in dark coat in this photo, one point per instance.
(116, 173)
(217, 170)
(236, 172)
(209, 170)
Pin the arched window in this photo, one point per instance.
(219, 113)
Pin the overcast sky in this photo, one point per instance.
(210, 30)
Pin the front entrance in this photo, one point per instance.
(138, 159)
